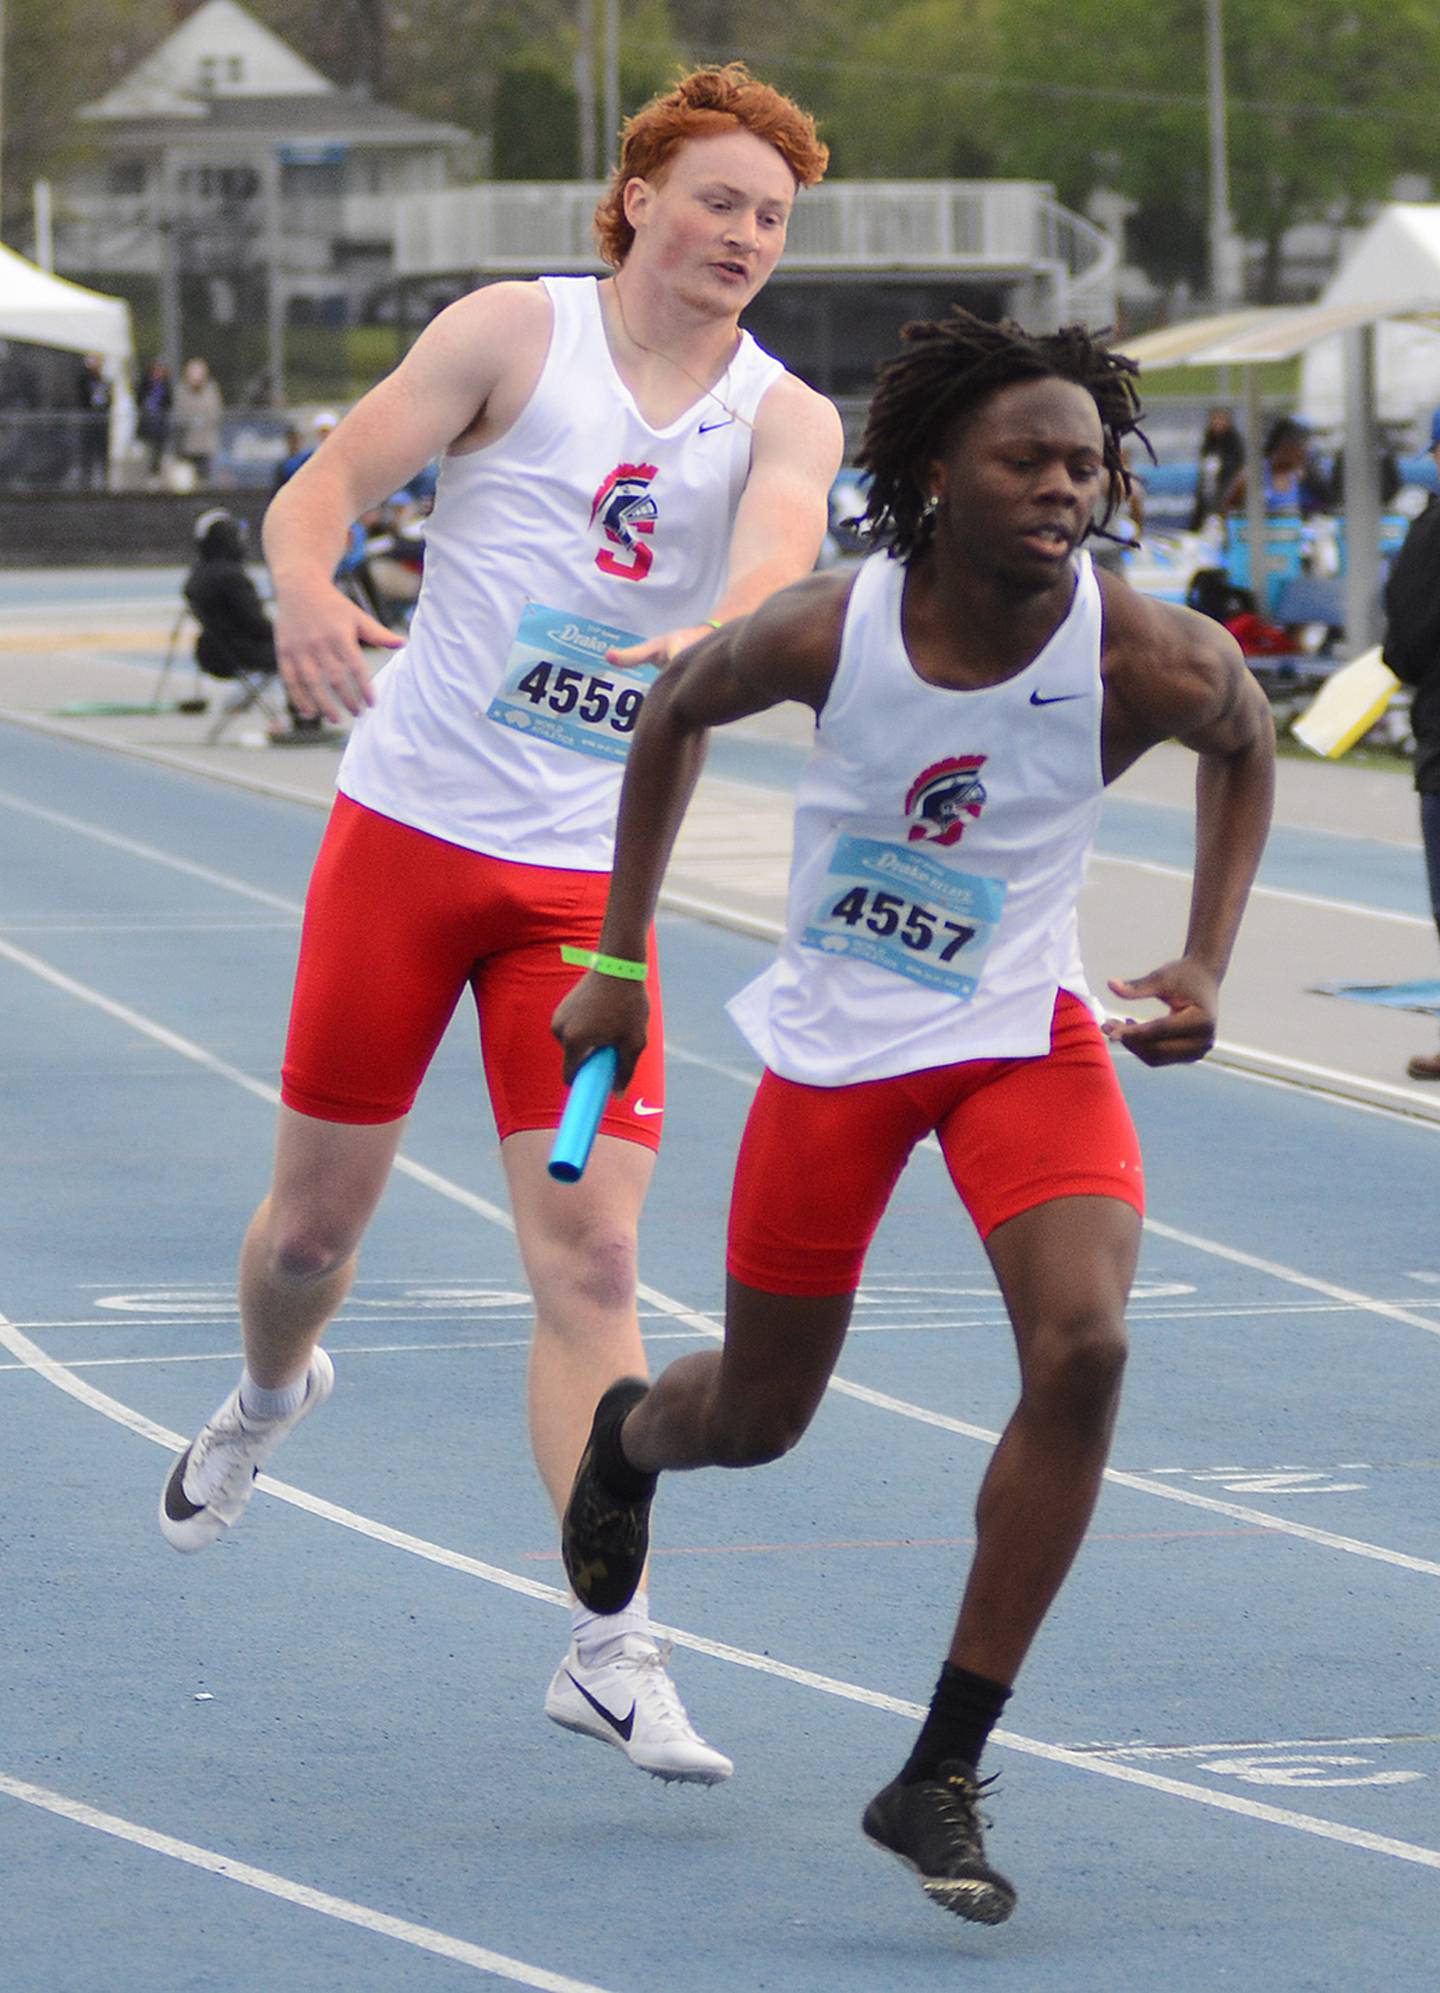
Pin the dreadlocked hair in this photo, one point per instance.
(952, 365)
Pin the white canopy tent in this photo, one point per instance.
(39, 309)
(1397, 256)
(44, 310)
(1249, 339)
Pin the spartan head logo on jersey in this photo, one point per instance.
(625, 512)
(945, 798)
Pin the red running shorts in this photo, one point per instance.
(818, 1164)
(396, 924)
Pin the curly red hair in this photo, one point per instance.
(701, 105)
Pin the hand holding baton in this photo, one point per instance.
(589, 1091)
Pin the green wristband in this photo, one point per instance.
(714, 623)
(604, 965)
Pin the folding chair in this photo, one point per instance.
(197, 700)
(256, 690)
(234, 641)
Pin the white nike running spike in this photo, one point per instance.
(207, 1489)
(630, 1701)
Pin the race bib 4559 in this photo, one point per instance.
(558, 687)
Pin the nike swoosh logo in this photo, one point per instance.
(644, 1107)
(1055, 698)
(706, 427)
(621, 1725)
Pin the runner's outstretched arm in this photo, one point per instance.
(440, 391)
(786, 650)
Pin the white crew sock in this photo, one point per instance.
(597, 1635)
(257, 1403)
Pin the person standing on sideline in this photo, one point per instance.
(93, 397)
(1220, 457)
(196, 411)
(976, 685)
(298, 451)
(152, 421)
(622, 468)
(1412, 651)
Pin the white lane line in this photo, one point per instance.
(1186, 810)
(1413, 1102)
(916, 1321)
(1226, 1802)
(1142, 1484)
(941, 1326)
(378, 1922)
(706, 1325)
(186, 1048)
(721, 1650)
(133, 848)
(902, 1322)
(184, 762)
(228, 1317)
(1349, 1296)
(1126, 1750)
(1263, 892)
(340, 1349)
(136, 1021)
(63, 1379)
(1335, 1096)
(105, 608)
(680, 1055)
(186, 924)
(766, 928)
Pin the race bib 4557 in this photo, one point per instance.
(896, 908)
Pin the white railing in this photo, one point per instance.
(1010, 226)
(369, 217)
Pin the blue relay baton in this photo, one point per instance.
(589, 1091)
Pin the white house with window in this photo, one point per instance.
(224, 151)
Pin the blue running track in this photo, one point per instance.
(314, 1757)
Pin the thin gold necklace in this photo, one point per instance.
(679, 365)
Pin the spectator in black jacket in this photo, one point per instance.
(92, 398)
(236, 636)
(152, 414)
(1220, 456)
(1412, 651)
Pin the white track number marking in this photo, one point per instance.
(433, 1297)
(1278, 1481)
(1311, 1768)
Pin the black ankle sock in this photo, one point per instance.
(963, 1711)
(612, 1469)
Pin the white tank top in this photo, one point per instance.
(941, 839)
(499, 726)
